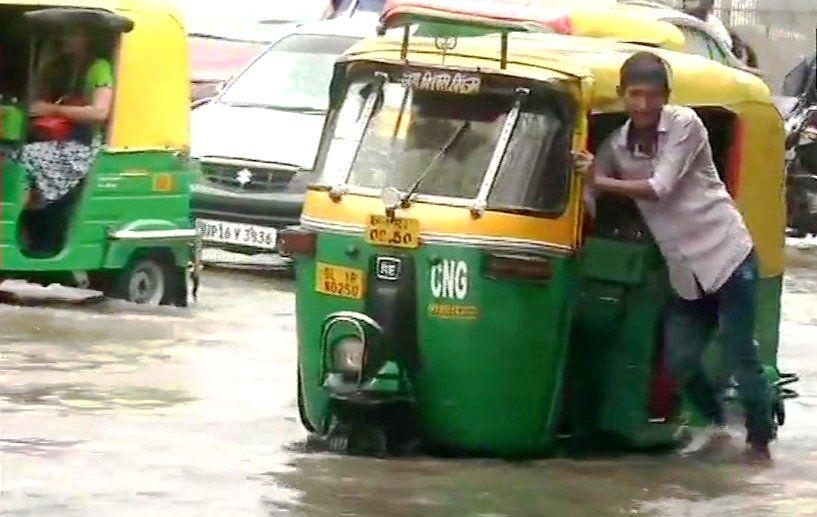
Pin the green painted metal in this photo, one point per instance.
(137, 191)
(475, 367)
(519, 359)
(12, 123)
(624, 290)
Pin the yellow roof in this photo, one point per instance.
(696, 80)
(628, 24)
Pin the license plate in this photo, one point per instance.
(397, 232)
(339, 281)
(239, 234)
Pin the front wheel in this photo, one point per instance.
(151, 281)
(301, 407)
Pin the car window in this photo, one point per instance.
(293, 74)
(370, 6)
(342, 7)
(717, 51)
(700, 43)
(695, 42)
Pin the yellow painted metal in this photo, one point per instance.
(629, 24)
(596, 63)
(446, 221)
(152, 95)
(696, 80)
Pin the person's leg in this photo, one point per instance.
(690, 327)
(737, 301)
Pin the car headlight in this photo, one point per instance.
(347, 355)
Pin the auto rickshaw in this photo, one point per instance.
(126, 230)
(450, 286)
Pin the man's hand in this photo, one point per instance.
(583, 164)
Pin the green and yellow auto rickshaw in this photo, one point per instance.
(125, 228)
(450, 287)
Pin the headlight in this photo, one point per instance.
(347, 355)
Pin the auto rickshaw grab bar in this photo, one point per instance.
(131, 235)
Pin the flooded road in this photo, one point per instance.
(111, 409)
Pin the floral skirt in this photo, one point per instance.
(55, 168)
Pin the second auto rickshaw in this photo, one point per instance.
(451, 288)
(122, 224)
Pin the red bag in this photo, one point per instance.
(53, 128)
(57, 127)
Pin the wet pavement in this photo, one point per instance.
(111, 409)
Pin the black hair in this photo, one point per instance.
(645, 68)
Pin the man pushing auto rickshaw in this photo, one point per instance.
(661, 158)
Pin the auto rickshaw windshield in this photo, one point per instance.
(454, 144)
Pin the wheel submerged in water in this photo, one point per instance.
(150, 281)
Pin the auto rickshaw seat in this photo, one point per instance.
(618, 218)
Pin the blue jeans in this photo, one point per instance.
(729, 312)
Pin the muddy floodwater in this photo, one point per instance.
(110, 409)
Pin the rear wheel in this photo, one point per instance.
(144, 282)
(151, 280)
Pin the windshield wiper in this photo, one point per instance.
(294, 109)
(404, 202)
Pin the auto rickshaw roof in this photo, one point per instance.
(97, 19)
(626, 23)
(154, 6)
(696, 80)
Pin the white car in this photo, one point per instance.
(224, 36)
(257, 141)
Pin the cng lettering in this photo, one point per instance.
(449, 280)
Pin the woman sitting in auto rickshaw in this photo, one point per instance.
(74, 98)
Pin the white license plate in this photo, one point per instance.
(239, 234)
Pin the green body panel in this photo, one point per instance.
(614, 350)
(624, 290)
(12, 123)
(495, 382)
(311, 309)
(122, 191)
(487, 382)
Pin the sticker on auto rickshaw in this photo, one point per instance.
(453, 312)
(442, 81)
(339, 281)
(397, 232)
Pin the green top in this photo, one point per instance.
(99, 75)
